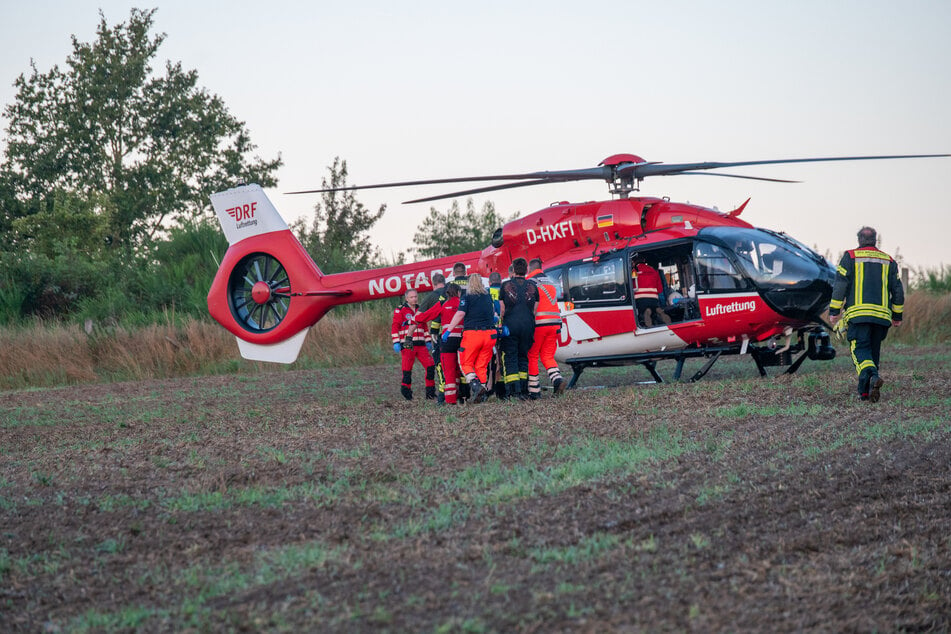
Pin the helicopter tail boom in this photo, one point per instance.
(268, 291)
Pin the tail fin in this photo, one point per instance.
(246, 211)
(252, 292)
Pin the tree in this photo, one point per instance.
(452, 232)
(337, 237)
(155, 147)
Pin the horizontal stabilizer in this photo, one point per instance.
(283, 352)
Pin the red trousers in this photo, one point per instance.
(409, 357)
(450, 371)
(475, 353)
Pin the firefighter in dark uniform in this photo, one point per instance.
(459, 277)
(869, 290)
(496, 385)
(409, 341)
(519, 299)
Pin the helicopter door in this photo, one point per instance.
(663, 284)
(599, 300)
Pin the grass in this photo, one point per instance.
(284, 506)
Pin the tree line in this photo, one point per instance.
(105, 178)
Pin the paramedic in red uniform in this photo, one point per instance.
(449, 349)
(647, 289)
(409, 341)
(547, 329)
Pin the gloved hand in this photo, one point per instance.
(396, 348)
(445, 336)
(505, 331)
(429, 346)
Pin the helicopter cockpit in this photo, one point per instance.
(792, 278)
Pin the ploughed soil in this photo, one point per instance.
(321, 501)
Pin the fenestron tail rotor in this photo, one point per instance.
(622, 172)
(259, 292)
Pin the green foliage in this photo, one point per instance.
(34, 284)
(71, 224)
(137, 148)
(337, 236)
(936, 280)
(452, 231)
(174, 274)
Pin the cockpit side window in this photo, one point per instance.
(769, 260)
(715, 271)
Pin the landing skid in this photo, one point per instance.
(812, 344)
(649, 362)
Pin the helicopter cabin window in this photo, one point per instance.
(554, 275)
(602, 282)
(715, 271)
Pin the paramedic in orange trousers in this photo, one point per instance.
(477, 315)
(409, 341)
(547, 330)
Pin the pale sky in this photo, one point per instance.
(437, 89)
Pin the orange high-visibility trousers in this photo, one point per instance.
(543, 349)
(475, 353)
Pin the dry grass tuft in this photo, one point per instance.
(48, 354)
(927, 319)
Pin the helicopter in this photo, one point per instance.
(727, 287)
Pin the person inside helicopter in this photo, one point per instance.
(648, 288)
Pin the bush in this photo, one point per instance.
(937, 280)
(36, 285)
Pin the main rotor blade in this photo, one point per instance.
(559, 176)
(478, 190)
(752, 178)
(639, 171)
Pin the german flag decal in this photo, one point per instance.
(606, 221)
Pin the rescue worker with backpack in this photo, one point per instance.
(519, 298)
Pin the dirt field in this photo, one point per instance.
(320, 501)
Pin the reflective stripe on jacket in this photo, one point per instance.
(547, 313)
(405, 328)
(868, 288)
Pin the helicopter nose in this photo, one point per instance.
(807, 301)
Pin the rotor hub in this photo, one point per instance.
(261, 292)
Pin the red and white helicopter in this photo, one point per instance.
(728, 287)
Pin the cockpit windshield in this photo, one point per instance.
(770, 260)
